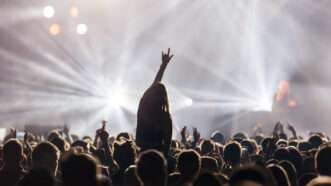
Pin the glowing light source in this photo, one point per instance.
(264, 105)
(54, 29)
(74, 12)
(116, 99)
(48, 11)
(189, 102)
(81, 29)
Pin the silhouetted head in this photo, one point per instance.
(279, 174)
(12, 152)
(79, 170)
(152, 168)
(281, 154)
(290, 171)
(59, 143)
(250, 145)
(322, 161)
(209, 164)
(46, 156)
(207, 147)
(315, 141)
(124, 154)
(189, 164)
(218, 137)
(232, 153)
(251, 175)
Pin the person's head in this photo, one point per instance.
(315, 141)
(12, 152)
(304, 146)
(322, 161)
(207, 147)
(130, 176)
(46, 156)
(189, 164)
(53, 134)
(37, 177)
(232, 153)
(81, 144)
(251, 175)
(59, 143)
(279, 174)
(281, 154)
(124, 154)
(209, 164)
(218, 137)
(250, 145)
(295, 158)
(79, 170)
(152, 168)
(207, 179)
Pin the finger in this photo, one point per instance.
(168, 51)
(171, 56)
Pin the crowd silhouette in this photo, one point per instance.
(153, 158)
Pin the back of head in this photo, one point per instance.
(79, 170)
(291, 171)
(46, 156)
(207, 147)
(279, 174)
(124, 154)
(218, 137)
(232, 153)
(207, 179)
(152, 168)
(209, 164)
(189, 164)
(251, 174)
(12, 151)
(281, 154)
(59, 143)
(37, 177)
(315, 141)
(322, 161)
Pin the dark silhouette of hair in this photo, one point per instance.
(59, 143)
(189, 164)
(12, 151)
(218, 137)
(322, 161)
(154, 127)
(152, 168)
(315, 141)
(207, 147)
(209, 164)
(281, 154)
(232, 153)
(255, 174)
(79, 170)
(279, 174)
(124, 154)
(208, 179)
(130, 176)
(46, 156)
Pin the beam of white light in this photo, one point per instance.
(81, 29)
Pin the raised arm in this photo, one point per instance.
(166, 57)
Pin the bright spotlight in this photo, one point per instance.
(264, 105)
(48, 11)
(189, 102)
(81, 29)
(74, 12)
(54, 29)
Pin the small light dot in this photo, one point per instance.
(74, 12)
(54, 29)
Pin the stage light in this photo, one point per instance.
(48, 11)
(54, 29)
(263, 105)
(116, 99)
(81, 29)
(189, 102)
(74, 12)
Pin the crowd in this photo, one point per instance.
(152, 158)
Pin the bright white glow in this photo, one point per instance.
(264, 105)
(48, 11)
(54, 29)
(74, 12)
(189, 102)
(81, 29)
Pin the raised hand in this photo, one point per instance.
(166, 57)
(196, 135)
